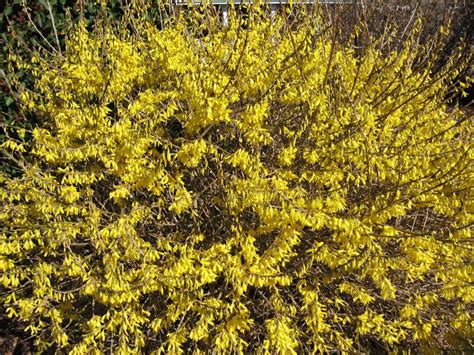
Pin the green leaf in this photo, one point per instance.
(44, 3)
(8, 10)
(39, 18)
(9, 100)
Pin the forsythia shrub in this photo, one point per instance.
(249, 187)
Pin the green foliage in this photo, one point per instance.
(251, 187)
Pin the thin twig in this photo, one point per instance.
(54, 27)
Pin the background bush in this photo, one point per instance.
(261, 186)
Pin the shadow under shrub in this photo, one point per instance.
(263, 187)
